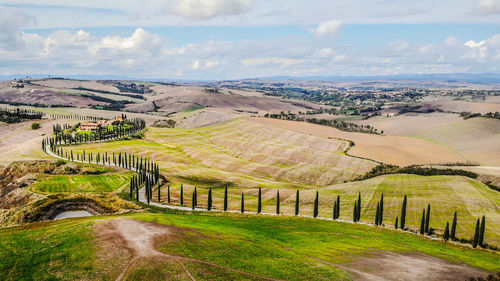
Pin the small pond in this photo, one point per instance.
(73, 214)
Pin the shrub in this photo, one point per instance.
(35, 126)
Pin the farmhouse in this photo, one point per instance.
(89, 126)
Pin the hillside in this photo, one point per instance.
(179, 246)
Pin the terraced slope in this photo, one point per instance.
(246, 154)
(397, 150)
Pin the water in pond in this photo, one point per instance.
(73, 214)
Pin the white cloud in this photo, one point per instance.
(208, 9)
(329, 28)
(283, 62)
(489, 7)
(11, 22)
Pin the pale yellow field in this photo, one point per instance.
(397, 150)
(475, 139)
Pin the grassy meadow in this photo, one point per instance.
(108, 182)
(273, 247)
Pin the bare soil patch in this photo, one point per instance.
(136, 240)
(414, 266)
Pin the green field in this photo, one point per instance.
(81, 183)
(276, 247)
(446, 194)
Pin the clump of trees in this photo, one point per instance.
(385, 169)
(341, 125)
(17, 115)
(165, 123)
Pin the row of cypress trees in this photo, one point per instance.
(148, 172)
(379, 214)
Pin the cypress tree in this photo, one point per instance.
(427, 219)
(338, 207)
(476, 235)
(297, 203)
(209, 203)
(359, 207)
(381, 211)
(182, 195)
(225, 199)
(481, 232)
(403, 213)
(242, 202)
(159, 194)
(137, 191)
(377, 214)
(447, 232)
(355, 211)
(422, 223)
(454, 227)
(131, 187)
(259, 203)
(168, 194)
(316, 205)
(278, 202)
(193, 199)
(334, 209)
(396, 223)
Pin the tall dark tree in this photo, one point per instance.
(447, 232)
(209, 203)
(403, 213)
(334, 209)
(454, 227)
(359, 207)
(278, 202)
(297, 203)
(355, 211)
(476, 235)
(182, 195)
(381, 211)
(427, 219)
(377, 214)
(193, 199)
(259, 202)
(396, 223)
(338, 207)
(159, 194)
(242, 202)
(482, 228)
(225, 199)
(168, 194)
(316, 205)
(422, 223)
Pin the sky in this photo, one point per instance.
(235, 39)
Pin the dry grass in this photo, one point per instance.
(397, 150)
(475, 139)
(246, 154)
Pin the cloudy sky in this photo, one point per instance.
(231, 39)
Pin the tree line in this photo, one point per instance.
(341, 125)
(9, 115)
